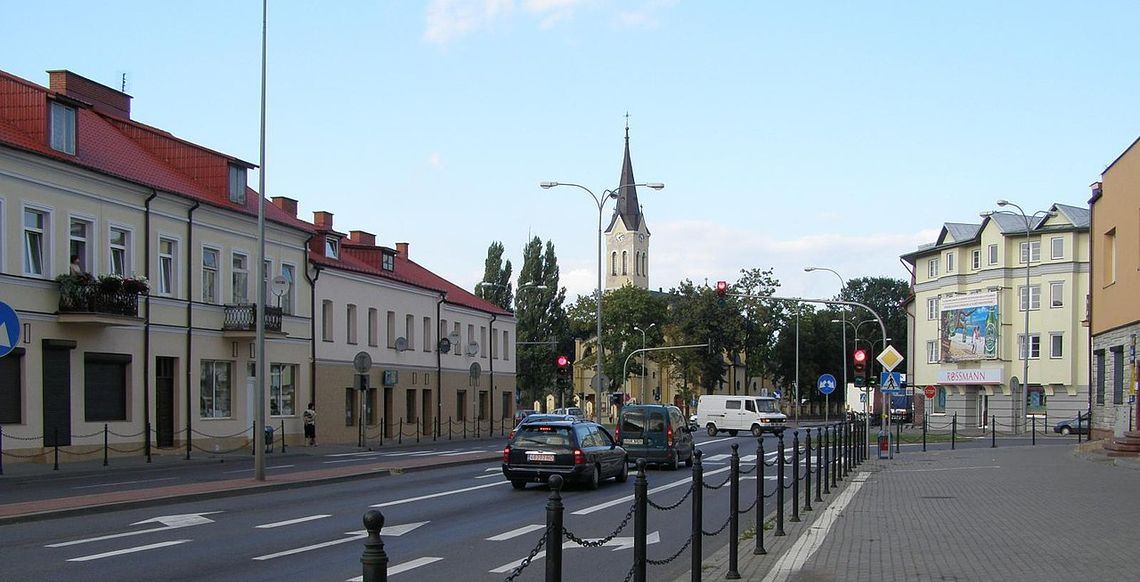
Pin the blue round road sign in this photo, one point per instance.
(826, 384)
(9, 329)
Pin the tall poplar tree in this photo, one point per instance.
(496, 284)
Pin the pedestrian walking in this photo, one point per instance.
(310, 418)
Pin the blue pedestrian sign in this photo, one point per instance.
(892, 383)
(826, 384)
(9, 329)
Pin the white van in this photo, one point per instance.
(758, 414)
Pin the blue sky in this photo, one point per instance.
(836, 134)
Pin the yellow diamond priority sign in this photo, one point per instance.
(890, 358)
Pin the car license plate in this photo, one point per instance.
(540, 457)
(634, 441)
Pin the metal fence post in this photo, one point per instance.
(282, 435)
(759, 549)
(55, 432)
(554, 530)
(423, 421)
(1034, 433)
(640, 509)
(2, 449)
(374, 560)
(925, 420)
(733, 517)
(807, 469)
(993, 431)
(818, 462)
(840, 443)
(695, 554)
(449, 428)
(104, 444)
(188, 444)
(780, 485)
(400, 437)
(953, 431)
(1080, 429)
(835, 456)
(898, 436)
(825, 448)
(795, 477)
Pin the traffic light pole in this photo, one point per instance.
(625, 366)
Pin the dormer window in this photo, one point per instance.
(332, 247)
(388, 262)
(62, 128)
(237, 184)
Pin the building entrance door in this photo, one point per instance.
(983, 410)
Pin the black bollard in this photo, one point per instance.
(698, 517)
(449, 428)
(374, 559)
(105, 444)
(188, 444)
(898, 436)
(1, 449)
(924, 433)
(640, 523)
(759, 549)
(780, 484)
(807, 469)
(795, 477)
(825, 445)
(282, 435)
(818, 463)
(146, 440)
(953, 431)
(1033, 435)
(835, 456)
(55, 432)
(733, 517)
(993, 431)
(400, 437)
(554, 530)
(418, 427)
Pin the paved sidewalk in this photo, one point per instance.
(62, 499)
(1010, 514)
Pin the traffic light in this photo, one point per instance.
(859, 357)
(721, 289)
(563, 368)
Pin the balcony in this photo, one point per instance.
(240, 320)
(85, 300)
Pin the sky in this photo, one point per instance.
(788, 134)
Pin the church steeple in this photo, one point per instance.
(627, 237)
(627, 206)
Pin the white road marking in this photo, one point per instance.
(127, 551)
(514, 533)
(456, 454)
(796, 556)
(350, 460)
(398, 568)
(628, 498)
(489, 475)
(124, 483)
(356, 454)
(267, 468)
(713, 458)
(440, 494)
(168, 522)
(291, 521)
(715, 441)
(390, 531)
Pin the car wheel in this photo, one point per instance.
(757, 431)
(732, 433)
(689, 460)
(1066, 430)
(623, 475)
(595, 477)
(711, 429)
(518, 483)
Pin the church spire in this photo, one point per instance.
(627, 207)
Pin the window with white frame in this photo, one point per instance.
(950, 262)
(1057, 247)
(35, 242)
(120, 245)
(282, 389)
(932, 308)
(410, 330)
(506, 345)
(932, 351)
(458, 349)
(237, 183)
(79, 243)
(350, 323)
(391, 329)
(976, 259)
(210, 260)
(288, 299)
(1056, 294)
(373, 326)
(265, 298)
(1034, 346)
(427, 334)
(332, 247)
(167, 270)
(1031, 294)
(1034, 251)
(239, 279)
(1056, 344)
(326, 320)
(992, 251)
(932, 268)
(939, 401)
(215, 389)
(63, 128)
(388, 261)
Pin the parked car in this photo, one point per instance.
(759, 414)
(571, 411)
(523, 413)
(578, 450)
(1071, 425)
(656, 433)
(538, 417)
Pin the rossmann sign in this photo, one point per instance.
(979, 376)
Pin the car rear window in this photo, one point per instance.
(633, 420)
(531, 436)
(656, 422)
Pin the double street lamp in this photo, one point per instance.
(635, 328)
(606, 195)
(843, 315)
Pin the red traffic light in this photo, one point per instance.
(721, 288)
(563, 361)
(859, 356)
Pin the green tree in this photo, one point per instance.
(697, 315)
(496, 284)
(887, 297)
(761, 319)
(622, 310)
(541, 318)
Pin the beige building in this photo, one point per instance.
(969, 310)
(1115, 287)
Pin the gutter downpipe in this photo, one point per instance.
(439, 367)
(312, 324)
(491, 365)
(189, 319)
(146, 329)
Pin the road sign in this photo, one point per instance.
(863, 397)
(930, 391)
(9, 329)
(826, 384)
(889, 358)
(891, 383)
(362, 362)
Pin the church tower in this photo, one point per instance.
(627, 237)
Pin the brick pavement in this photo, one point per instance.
(1010, 514)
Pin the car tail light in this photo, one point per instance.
(617, 433)
(579, 457)
(511, 434)
(507, 454)
(669, 436)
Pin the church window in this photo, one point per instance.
(613, 263)
(624, 271)
(645, 264)
(637, 263)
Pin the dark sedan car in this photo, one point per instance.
(538, 417)
(579, 451)
(1073, 426)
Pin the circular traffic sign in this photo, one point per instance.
(9, 329)
(930, 391)
(826, 384)
(362, 362)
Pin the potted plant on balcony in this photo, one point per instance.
(71, 291)
(110, 283)
(136, 284)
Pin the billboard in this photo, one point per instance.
(968, 327)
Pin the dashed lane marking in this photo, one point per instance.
(440, 494)
(398, 568)
(127, 551)
(514, 533)
(291, 521)
(124, 483)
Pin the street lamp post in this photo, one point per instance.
(635, 328)
(843, 316)
(606, 195)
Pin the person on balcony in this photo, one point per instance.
(75, 268)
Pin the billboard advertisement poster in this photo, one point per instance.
(968, 326)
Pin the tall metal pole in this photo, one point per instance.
(598, 365)
(797, 382)
(843, 318)
(259, 319)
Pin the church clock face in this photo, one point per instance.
(641, 237)
(621, 237)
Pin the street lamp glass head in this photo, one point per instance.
(986, 214)
(655, 185)
(1002, 202)
(809, 269)
(547, 185)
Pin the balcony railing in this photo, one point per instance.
(243, 318)
(96, 299)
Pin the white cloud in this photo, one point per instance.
(645, 16)
(448, 20)
(435, 161)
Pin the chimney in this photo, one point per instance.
(402, 249)
(101, 97)
(362, 238)
(289, 205)
(323, 220)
